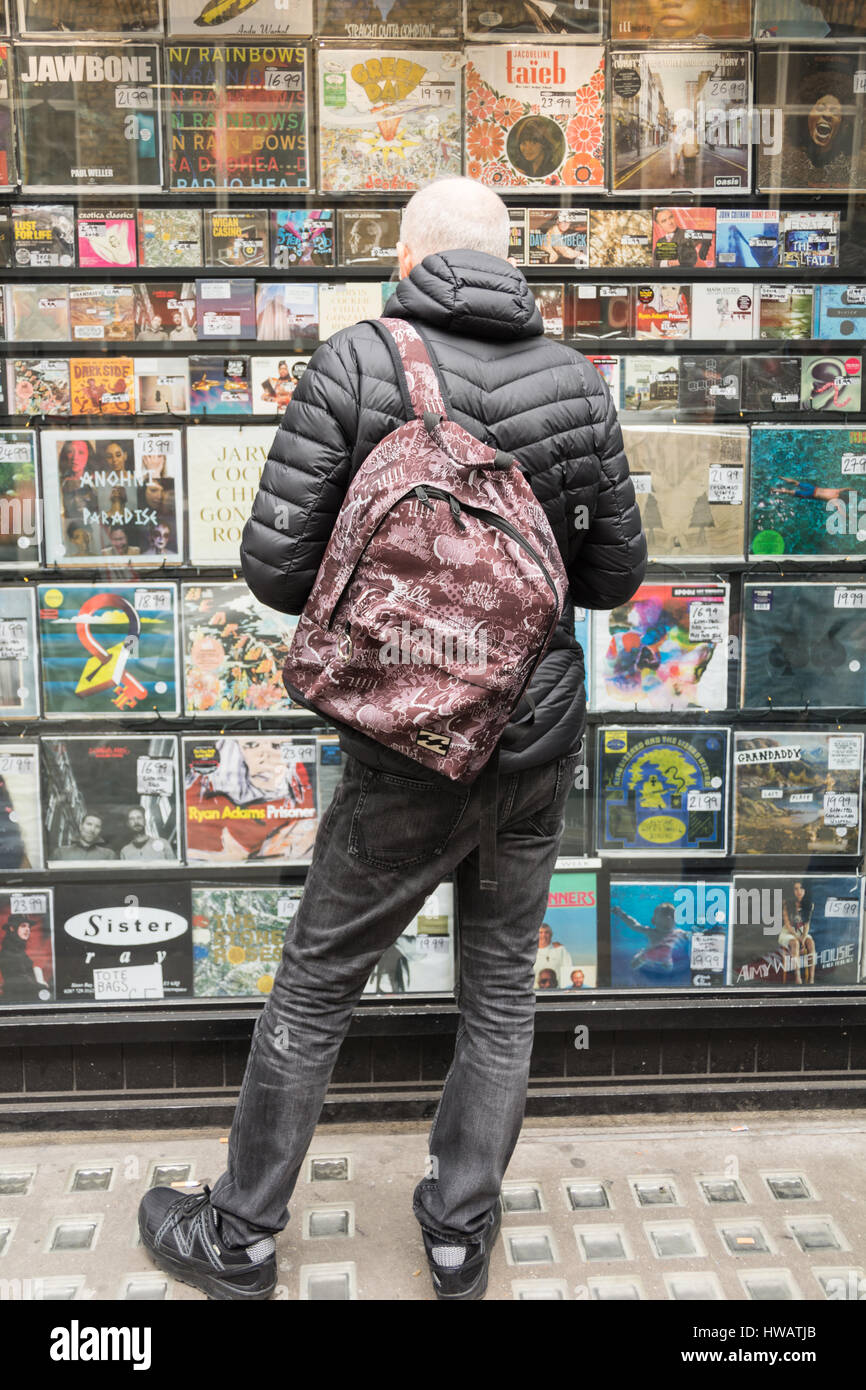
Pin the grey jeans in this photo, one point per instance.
(385, 843)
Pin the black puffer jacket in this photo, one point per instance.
(509, 386)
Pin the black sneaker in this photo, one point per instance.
(183, 1238)
(466, 1281)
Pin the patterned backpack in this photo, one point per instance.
(438, 592)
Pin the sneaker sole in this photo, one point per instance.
(215, 1288)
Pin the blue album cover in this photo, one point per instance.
(747, 238)
(300, 236)
(668, 934)
(662, 790)
(840, 311)
(804, 645)
(567, 953)
(807, 494)
(108, 650)
(795, 930)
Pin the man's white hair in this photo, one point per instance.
(452, 215)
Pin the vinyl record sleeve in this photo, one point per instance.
(723, 313)
(684, 238)
(224, 465)
(662, 311)
(711, 384)
(234, 650)
(814, 100)
(101, 313)
(250, 799)
(109, 800)
(517, 247)
(578, 20)
(785, 311)
(797, 792)
(89, 117)
(566, 956)
(170, 238)
(8, 162)
(43, 234)
(809, 19)
(301, 236)
(19, 681)
(255, 115)
(666, 649)
(771, 383)
(161, 386)
(89, 18)
(679, 120)
(650, 383)
(164, 311)
(840, 312)
(219, 386)
(601, 312)
(6, 248)
(388, 121)
(369, 236)
(421, 961)
(551, 301)
(287, 313)
(236, 238)
(215, 19)
(108, 650)
(113, 497)
(633, 21)
(807, 496)
(668, 934)
(225, 309)
(20, 508)
(808, 239)
(690, 484)
(26, 946)
(116, 940)
(804, 645)
(38, 313)
(106, 240)
(796, 931)
(620, 238)
(747, 238)
(330, 761)
(831, 382)
(662, 791)
(559, 237)
(20, 813)
(610, 370)
(102, 386)
(238, 931)
(396, 20)
(344, 304)
(273, 382)
(535, 116)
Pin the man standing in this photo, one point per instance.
(395, 830)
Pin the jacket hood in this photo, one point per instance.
(470, 293)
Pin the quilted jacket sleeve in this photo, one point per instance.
(303, 484)
(612, 561)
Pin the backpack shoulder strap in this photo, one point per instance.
(416, 374)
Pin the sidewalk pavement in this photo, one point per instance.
(766, 1206)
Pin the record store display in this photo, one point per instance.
(195, 196)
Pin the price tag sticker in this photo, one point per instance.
(154, 776)
(707, 951)
(299, 752)
(846, 596)
(217, 325)
(277, 80)
(643, 483)
(152, 599)
(843, 754)
(22, 904)
(14, 639)
(706, 622)
(725, 485)
(703, 801)
(134, 98)
(841, 808)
